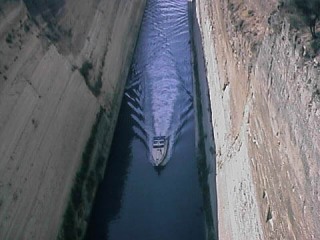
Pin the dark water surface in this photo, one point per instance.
(136, 201)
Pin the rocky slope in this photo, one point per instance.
(265, 111)
(63, 66)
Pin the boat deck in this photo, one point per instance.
(159, 149)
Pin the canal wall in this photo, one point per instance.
(205, 145)
(264, 101)
(63, 67)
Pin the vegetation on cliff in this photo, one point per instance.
(307, 12)
(46, 14)
(85, 71)
(303, 17)
(85, 182)
(46, 8)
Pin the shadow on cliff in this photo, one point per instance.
(48, 9)
(108, 198)
(45, 15)
(206, 143)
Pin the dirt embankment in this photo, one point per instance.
(265, 111)
(59, 64)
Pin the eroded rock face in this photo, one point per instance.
(265, 111)
(48, 106)
(285, 127)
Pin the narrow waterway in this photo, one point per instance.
(137, 200)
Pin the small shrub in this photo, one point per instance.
(308, 12)
(52, 36)
(315, 45)
(85, 69)
(85, 72)
(69, 224)
(9, 38)
(76, 195)
(90, 185)
(295, 22)
(99, 166)
(71, 227)
(69, 32)
(316, 95)
(73, 68)
(26, 28)
(96, 89)
(239, 25)
(251, 13)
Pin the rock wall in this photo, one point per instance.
(265, 111)
(206, 149)
(62, 75)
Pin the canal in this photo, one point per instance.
(137, 200)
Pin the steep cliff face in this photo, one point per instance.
(265, 111)
(286, 137)
(59, 64)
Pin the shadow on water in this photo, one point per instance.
(109, 194)
(206, 147)
(137, 200)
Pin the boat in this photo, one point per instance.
(159, 149)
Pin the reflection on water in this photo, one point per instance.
(135, 200)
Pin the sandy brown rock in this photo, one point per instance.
(265, 111)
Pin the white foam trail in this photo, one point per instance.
(161, 84)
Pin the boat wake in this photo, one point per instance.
(159, 89)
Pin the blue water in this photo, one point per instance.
(135, 199)
(160, 89)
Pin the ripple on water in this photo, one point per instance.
(162, 69)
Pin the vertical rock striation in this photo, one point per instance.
(265, 111)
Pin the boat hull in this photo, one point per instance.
(159, 149)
